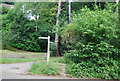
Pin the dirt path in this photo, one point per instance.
(20, 71)
(62, 72)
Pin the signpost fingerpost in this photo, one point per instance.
(48, 47)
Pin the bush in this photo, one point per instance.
(84, 69)
(8, 47)
(27, 45)
(92, 41)
(92, 26)
(52, 50)
(94, 53)
(99, 61)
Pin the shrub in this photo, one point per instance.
(8, 47)
(94, 53)
(99, 61)
(91, 70)
(27, 45)
(52, 50)
(92, 41)
(92, 26)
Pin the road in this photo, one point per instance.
(20, 71)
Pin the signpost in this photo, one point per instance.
(43, 37)
(48, 48)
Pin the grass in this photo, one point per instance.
(46, 69)
(17, 60)
(20, 54)
(0, 45)
(57, 59)
(7, 56)
(53, 68)
(28, 56)
(40, 67)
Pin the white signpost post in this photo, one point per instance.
(48, 48)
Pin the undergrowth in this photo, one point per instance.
(44, 68)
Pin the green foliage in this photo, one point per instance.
(98, 61)
(19, 31)
(28, 30)
(75, 8)
(92, 26)
(52, 50)
(91, 70)
(8, 47)
(4, 10)
(43, 68)
(0, 45)
(93, 52)
(6, 32)
(92, 43)
(61, 60)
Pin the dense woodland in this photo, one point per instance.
(90, 43)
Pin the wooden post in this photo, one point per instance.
(48, 50)
(117, 1)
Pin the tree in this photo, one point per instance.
(32, 10)
(57, 24)
(25, 18)
(7, 34)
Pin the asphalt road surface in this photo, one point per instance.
(20, 71)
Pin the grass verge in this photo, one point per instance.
(20, 54)
(17, 60)
(52, 68)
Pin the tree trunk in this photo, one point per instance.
(57, 23)
(36, 21)
(36, 26)
(117, 1)
(69, 19)
(69, 11)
